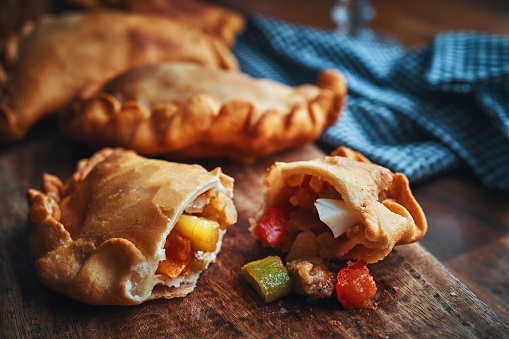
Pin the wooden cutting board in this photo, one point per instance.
(416, 297)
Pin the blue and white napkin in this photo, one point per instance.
(422, 112)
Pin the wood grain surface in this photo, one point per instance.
(416, 297)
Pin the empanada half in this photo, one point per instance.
(57, 56)
(349, 207)
(210, 18)
(122, 230)
(192, 111)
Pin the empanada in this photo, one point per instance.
(51, 62)
(337, 207)
(213, 19)
(125, 229)
(191, 111)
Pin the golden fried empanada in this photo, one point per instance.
(338, 207)
(125, 229)
(192, 111)
(50, 63)
(213, 19)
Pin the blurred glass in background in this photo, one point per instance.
(352, 16)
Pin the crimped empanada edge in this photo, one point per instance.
(102, 119)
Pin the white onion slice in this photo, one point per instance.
(336, 215)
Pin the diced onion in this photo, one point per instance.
(336, 215)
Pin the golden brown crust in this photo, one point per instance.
(48, 64)
(389, 213)
(215, 20)
(100, 237)
(191, 111)
(346, 152)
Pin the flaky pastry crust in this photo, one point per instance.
(100, 237)
(191, 111)
(388, 212)
(221, 22)
(57, 56)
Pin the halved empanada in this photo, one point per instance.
(210, 18)
(125, 229)
(192, 111)
(60, 54)
(338, 207)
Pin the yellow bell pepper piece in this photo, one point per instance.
(203, 233)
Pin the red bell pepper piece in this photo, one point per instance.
(272, 229)
(178, 247)
(355, 286)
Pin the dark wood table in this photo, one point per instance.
(448, 284)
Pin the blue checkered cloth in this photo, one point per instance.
(422, 112)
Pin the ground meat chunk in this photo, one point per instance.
(312, 278)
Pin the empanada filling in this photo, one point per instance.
(319, 220)
(308, 218)
(196, 233)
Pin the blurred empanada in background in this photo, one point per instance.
(47, 65)
(189, 111)
(213, 19)
(126, 229)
